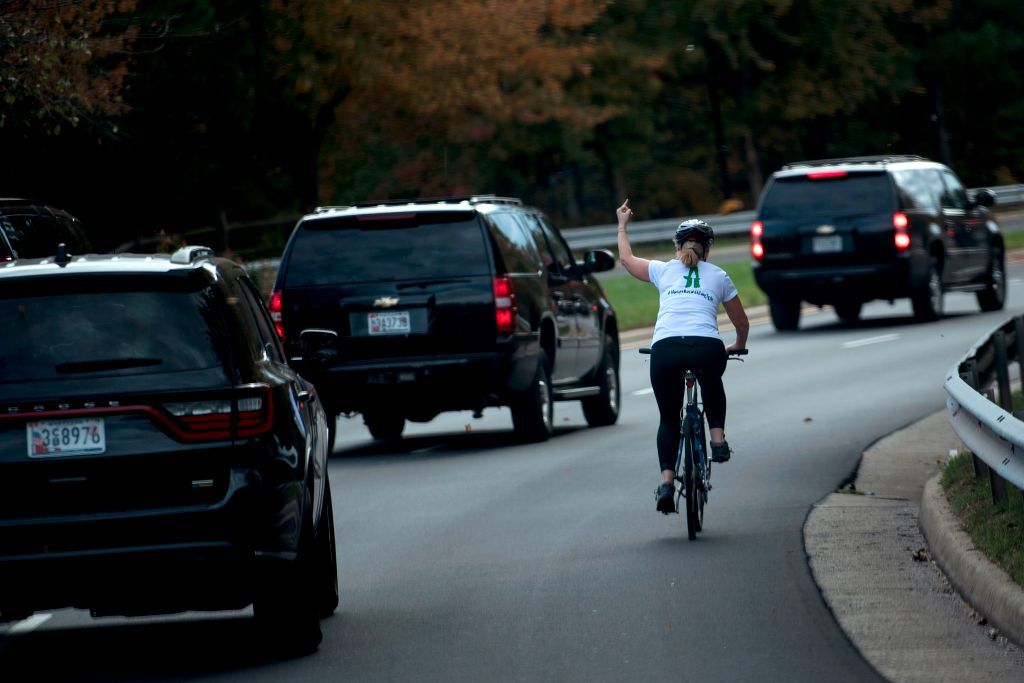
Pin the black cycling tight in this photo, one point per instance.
(670, 358)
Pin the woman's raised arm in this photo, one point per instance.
(634, 265)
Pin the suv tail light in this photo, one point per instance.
(902, 236)
(505, 310)
(249, 413)
(756, 248)
(275, 306)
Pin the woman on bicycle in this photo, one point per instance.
(686, 337)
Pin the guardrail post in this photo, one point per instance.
(969, 372)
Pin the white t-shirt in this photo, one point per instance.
(690, 298)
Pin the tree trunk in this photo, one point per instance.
(754, 176)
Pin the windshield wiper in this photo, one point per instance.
(106, 364)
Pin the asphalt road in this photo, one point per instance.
(464, 556)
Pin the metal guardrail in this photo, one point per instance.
(738, 223)
(988, 428)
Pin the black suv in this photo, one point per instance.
(157, 454)
(847, 231)
(404, 309)
(30, 229)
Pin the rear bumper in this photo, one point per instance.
(148, 561)
(425, 384)
(822, 286)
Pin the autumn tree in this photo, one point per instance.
(63, 62)
(428, 87)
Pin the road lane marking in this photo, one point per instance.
(643, 392)
(30, 624)
(870, 340)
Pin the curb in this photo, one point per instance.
(990, 589)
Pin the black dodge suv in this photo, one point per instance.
(157, 453)
(403, 309)
(842, 232)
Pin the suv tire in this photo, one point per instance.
(785, 313)
(993, 297)
(326, 557)
(533, 415)
(603, 410)
(384, 426)
(927, 300)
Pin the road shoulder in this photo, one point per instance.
(872, 564)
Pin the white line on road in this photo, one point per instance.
(643, 392)
(870, 340)
(30, 624)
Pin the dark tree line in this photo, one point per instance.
(173, 115)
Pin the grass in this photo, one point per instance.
(995, 529)
(636, 302)
(1013, 240)
(998, 530)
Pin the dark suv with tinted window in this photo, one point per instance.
(30, 229)
(404, 309)
(157, 453)
(842, 232)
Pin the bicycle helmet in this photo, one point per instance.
(697, 230)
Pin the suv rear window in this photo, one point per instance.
(391, 247)
(78, 330)
(849, 195)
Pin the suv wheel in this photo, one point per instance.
(533, 414)
(603, 409)
(785, 313)
(993, 297)
(848, 311)
(327, 557)
(383, 425)
(927, 301)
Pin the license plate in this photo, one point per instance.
(55, 438)
(388, 322)
(827, 244)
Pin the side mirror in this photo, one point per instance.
(985, 197)
(598, 260)
(319, 345)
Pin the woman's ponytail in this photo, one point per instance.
(693, 252)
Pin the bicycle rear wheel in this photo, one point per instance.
(694, 501)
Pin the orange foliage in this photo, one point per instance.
(63, 60)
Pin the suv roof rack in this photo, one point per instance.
(878, 159)
(188, 254)
(471, 199)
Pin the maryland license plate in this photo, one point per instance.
(388, 322)
(827, 244)
(57, 438)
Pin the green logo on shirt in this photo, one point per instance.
(693, 278)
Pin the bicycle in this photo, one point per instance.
(693, 456)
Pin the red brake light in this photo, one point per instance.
(505, 310)
(902, 237)
(248, 414)
(275, 306)
(756, 248)
(821, 175)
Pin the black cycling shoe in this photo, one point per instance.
(666, 495)
(720, 452)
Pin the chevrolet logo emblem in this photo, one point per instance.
(825, 229)
(386, 302)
